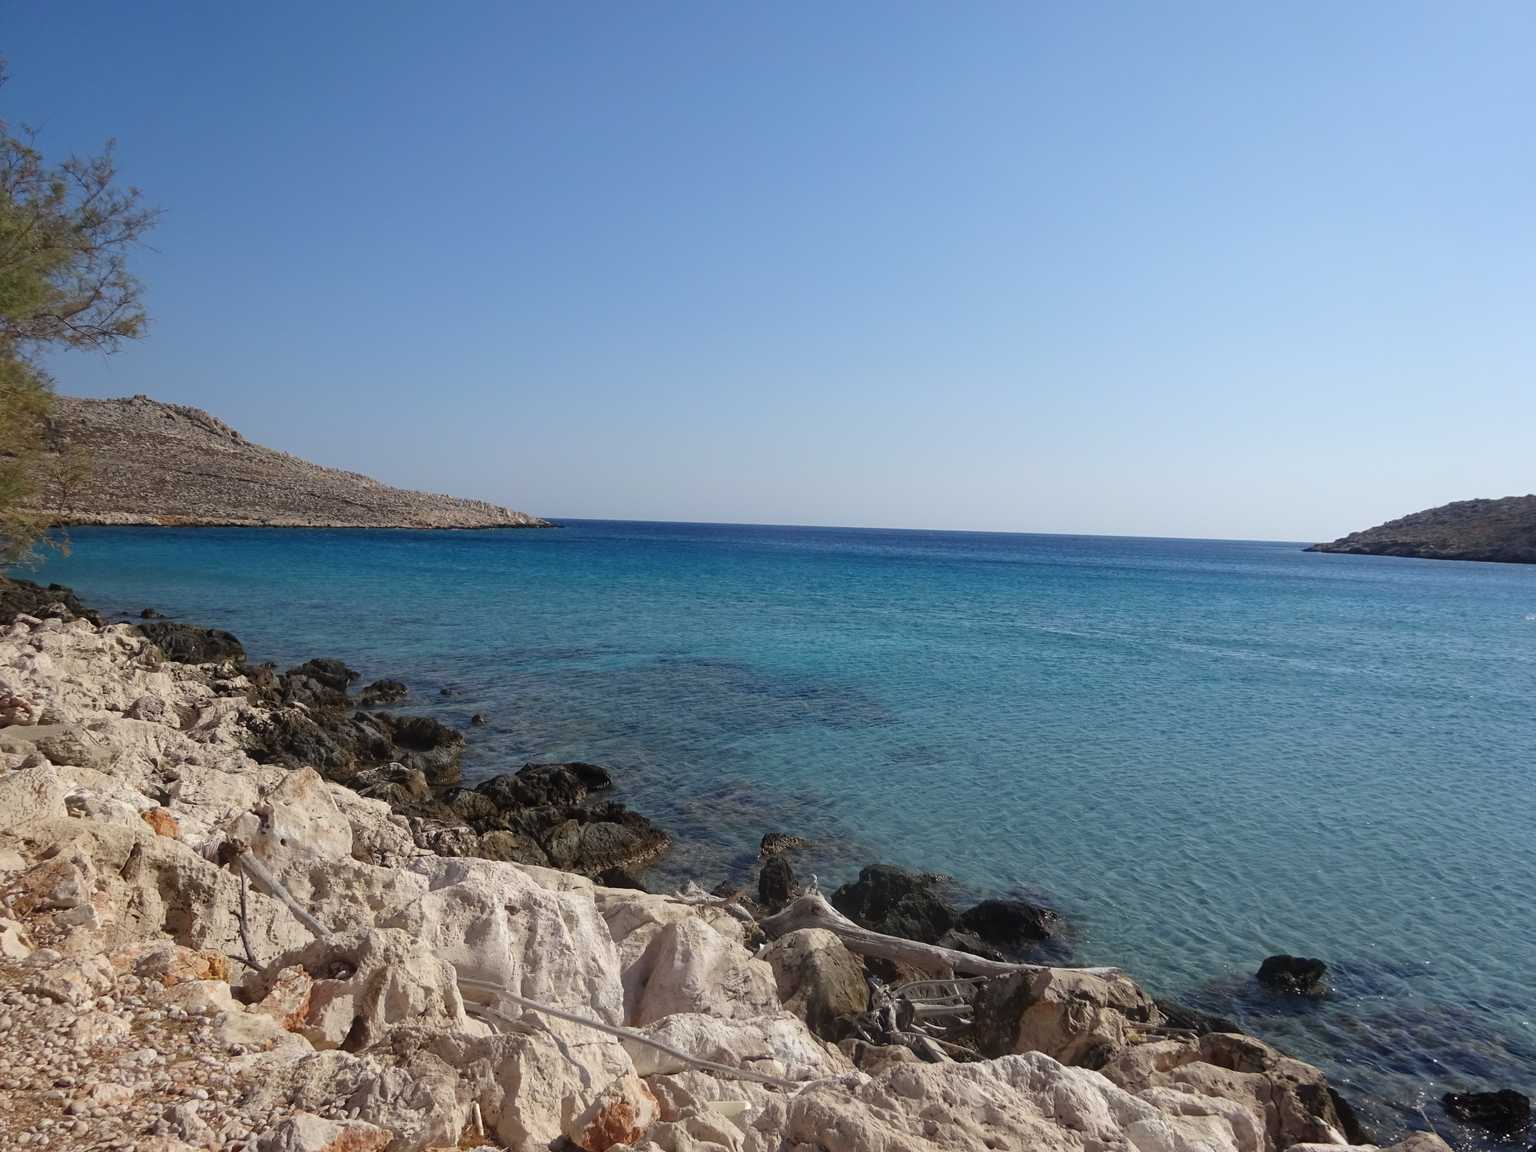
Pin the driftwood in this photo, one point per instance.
(812, 911)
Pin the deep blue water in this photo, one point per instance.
(1204, 752)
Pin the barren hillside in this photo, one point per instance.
(143, 462)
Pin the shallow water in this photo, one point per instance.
(1204, 752)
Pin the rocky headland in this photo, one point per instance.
(1498, 530)
(137, 461)
(248, 910)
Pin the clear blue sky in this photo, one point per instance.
(1186, 269)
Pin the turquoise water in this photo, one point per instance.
(1202, 752)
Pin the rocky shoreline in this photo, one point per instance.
(246, 910)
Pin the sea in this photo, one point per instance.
(1201, 752)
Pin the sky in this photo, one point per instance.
(1184, 269)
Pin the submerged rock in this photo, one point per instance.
(383, 692)
(186, 644)
(1011, 926)
(1299, 975)
(535, 785)
(1502, 1111)
(332, 673)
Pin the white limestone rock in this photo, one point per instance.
(364, 983)
(495, 924)
(689, 967)
(1027, 1101)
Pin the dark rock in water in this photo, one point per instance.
(478, 720)
(1192, 1019)
(969, 942)
(1010, 926)
(150, 614)
(591, 841)
(419, 733)
(620, 878)
(1503, 1111)
(537, 785)
(1298, 975)
(1349, 1121)
(332, 673)
(775, 882)
(382, 692)
(22, 597)
(186, 644)
(775, 842)
(897, 902)
(500, 844)
(295, 738)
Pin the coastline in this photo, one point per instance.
(1123, 1028)
(134, 520)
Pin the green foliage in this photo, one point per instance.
(24, 396)
(65, 233)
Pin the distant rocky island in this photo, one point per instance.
(143, 462)
(1499, 530)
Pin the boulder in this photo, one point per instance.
(535, 1084)
(362, 984)
(393, 783)
(774, 843)
(186, 644)
(1298, 975)
(29, 794)
(1011, 926)
(776, 1044)
(818, 980)
(775, 883)
(896, 902)
(383, 692)
(1290, 1101)
(296, 820)
(1502, 1111)
(500, 844)
(414, 1096)
(972, 943)
(1025, 1101)
(537, 785)
(620, 878)
(330, 672)
(1073, 1016)
(593, 840)
(619, 1114)
(495, 923)
(690, 967)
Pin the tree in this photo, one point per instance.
(65, 233)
